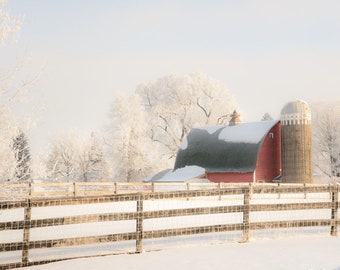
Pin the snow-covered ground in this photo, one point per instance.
(292, 248)
(312, 253)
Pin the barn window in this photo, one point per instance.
(271, 135)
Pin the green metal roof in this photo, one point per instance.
(224, 148)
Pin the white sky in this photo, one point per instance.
(266, 52)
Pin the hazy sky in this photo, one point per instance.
(266, 52)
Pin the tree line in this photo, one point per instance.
(144, 132)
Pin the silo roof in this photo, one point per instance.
(224, 148)
(296, 107)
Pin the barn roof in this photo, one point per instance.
(182, 175)
(224, 148)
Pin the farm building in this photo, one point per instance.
(245, 152)
(253, 152)
(296, 142)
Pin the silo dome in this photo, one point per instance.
(296, 112)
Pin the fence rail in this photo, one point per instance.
(74, 189)
(247, 201)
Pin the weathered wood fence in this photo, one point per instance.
(74, 189)
(245, 208)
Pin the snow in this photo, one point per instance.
(184, 144)
(155, 177)
(302, 248)
(183, 174)
(318, 252)
(246, 132)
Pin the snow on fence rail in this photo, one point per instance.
(75, 189)
(41, 225)
(72, 189)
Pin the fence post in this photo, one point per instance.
(188, 189)
(75, 189)
(246, 212)
(219, 188)
(26, 235)
(116, 188)
(30, 190)
(335, 207)
(139, 223)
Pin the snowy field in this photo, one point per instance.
(305, 253)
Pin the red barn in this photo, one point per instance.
(246, 152)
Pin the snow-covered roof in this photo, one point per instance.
(224, 148)
(296, 107)
(186, 174)
(296, 112)
(157, 176)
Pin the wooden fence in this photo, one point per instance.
(245, 207)
(74, 189)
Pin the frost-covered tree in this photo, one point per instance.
(91, 160)
(75, 158)
(22, 157)
(61, 163)
(14, 87)
(176, 103)
(326, 137)
(128, 142)
(7, 158)
(9, 91)
(9, 26)
(147, 128)
(267, 117)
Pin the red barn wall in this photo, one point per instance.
(269, 159)
(231, 177)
